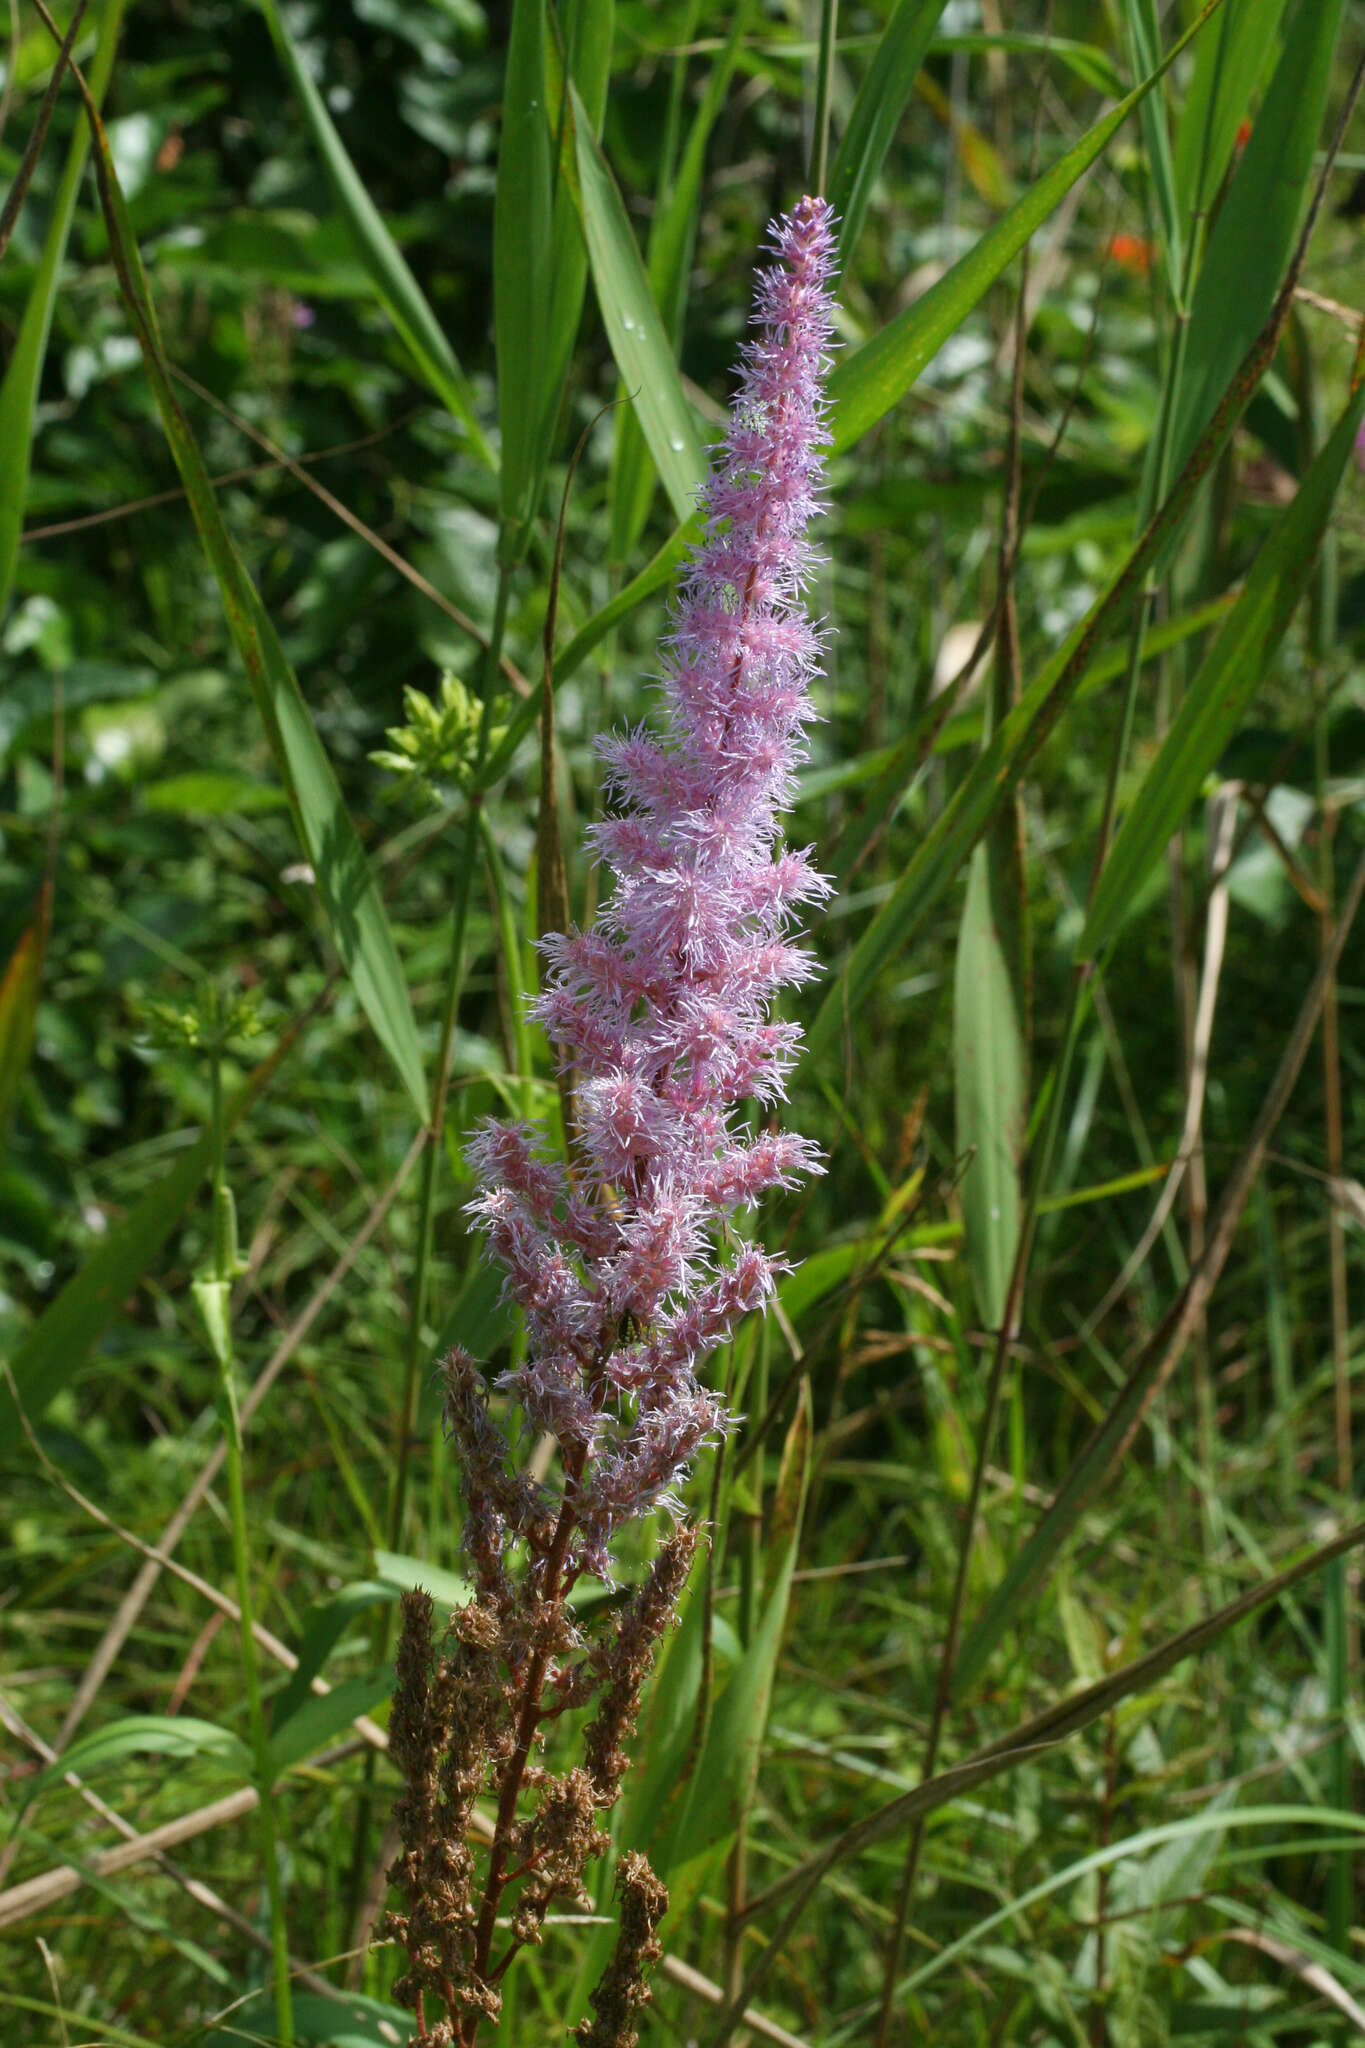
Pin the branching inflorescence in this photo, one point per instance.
(626, 1265)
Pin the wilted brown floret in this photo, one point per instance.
(624, 1988)
(623, 1664)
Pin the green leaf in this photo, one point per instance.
(23, 372)
(327, 1623)
(203, 793)
(522, 212)
(70, 1327)
(890, 79)
(1145, 36)
(1229, 63)
(398, 290)
(866, 384)
(635, 330)
(406, 1574)
(988, 1067)
(345, 884)
(179, 1736)
(1258, 220)
(321, 1717)
(588, 27)
(1228, 677)
(672, 236)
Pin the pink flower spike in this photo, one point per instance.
(662, 1011)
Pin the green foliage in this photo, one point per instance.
(417, 248)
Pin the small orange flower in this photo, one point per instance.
(1131, 252)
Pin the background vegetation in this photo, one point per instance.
(1017, 1426)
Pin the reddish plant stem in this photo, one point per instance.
(528, 1720)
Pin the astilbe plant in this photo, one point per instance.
(626, 1264)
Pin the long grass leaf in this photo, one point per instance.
(1229, 64)
(1258, 220)
(588, 27)
(398, 290)
(23, 372)
(988, 1071)
(346, 886)
(866, 384)
(522, 215)
(1222, 690)
(888, 83)
(634, 326)
(672, 236)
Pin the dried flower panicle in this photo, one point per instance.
(629, 1270)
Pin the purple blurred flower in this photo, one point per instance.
(662, 1009)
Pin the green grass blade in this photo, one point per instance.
(345, 884)
(23, 372)
(522, 214)
(1224, 686)
(867, 383)
(1229, 64)
(177, 1736)
(672, 237)
(70, 1327)
(588, 27)
(890, 79)
(398, 290)
(20, 987)
(988, 1064)
(1258, 220)
(1145, 36)
(634, 327)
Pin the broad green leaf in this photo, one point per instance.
(634, 328)
(866, 384)
(19, 991)
(1254, 233)
(522, 212)
(988, 1071)
(321, 1717)
(23, 372)
(345, 883)
(886, 87)
(326, 1625)
(1229, 63)
(345, 2020)
(67, 1331)
(398, 290)
(672, 235)
(405, 1574)
(1220, 693)
(179, 1736)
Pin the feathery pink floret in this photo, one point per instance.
(661, 1010)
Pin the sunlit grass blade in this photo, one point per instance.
(634, 327)
(69, 1328)
(23, 372)
(672, 237)
(345, 884)
(1229, 64)
(1254, 233)
(588, 26)
(399, 292)
(867, 383)
(1221, 691)
(886, 86)
(522, 213)
(988, 1066)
